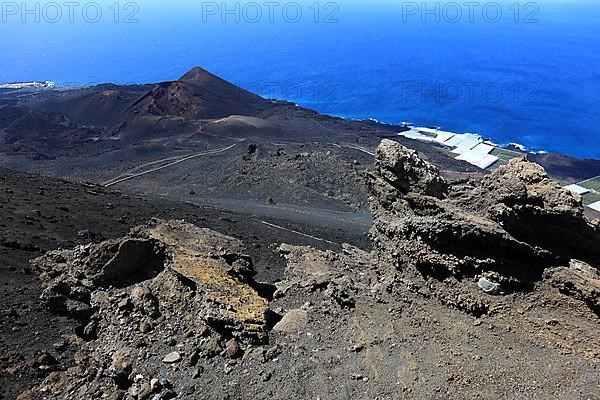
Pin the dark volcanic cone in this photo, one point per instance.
(198, 95)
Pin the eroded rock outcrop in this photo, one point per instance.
(71, 276)
(504, 230)
(580, 281)
(219, 271)
(163, 255)
(172, 310)
(167, 293)
(534, 209)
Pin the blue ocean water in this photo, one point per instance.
(530, 76)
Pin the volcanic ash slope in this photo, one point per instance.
(483, 289)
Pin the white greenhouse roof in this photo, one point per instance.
(443, 137)
(479, 155)
(487, 161)
(464, 142)
(577, 189)
(476, 153)
(595, 206)
(412, 134)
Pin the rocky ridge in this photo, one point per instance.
(500, 234)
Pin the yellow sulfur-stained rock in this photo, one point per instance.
(213, 261)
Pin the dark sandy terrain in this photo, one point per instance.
(39, 214)
(177, 311)
(260, 149)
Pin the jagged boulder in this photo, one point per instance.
(129, 257)
(406, 172)
(71, 276)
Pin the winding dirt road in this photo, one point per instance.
(130, 175)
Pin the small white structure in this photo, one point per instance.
(435, 134)
(580, 190)
(476, 153)
(487, 161)
(417, 135)
(595, 206)
(464, 143)
(479, 156)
